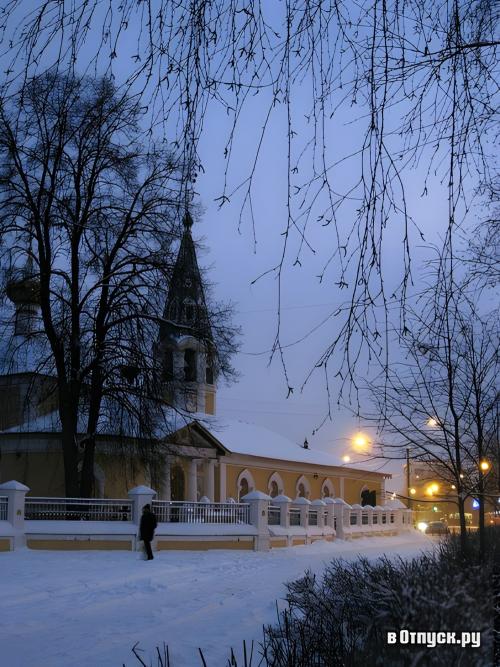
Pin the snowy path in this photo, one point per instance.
(87, 609)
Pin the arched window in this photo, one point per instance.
(189, 307)
(168, 366)
(190, 365)
(209, 373)
(173, 310)
(176, 482)
(302, 487)
(243, 488)
(275, 486)
(245, 484)
(327, 490)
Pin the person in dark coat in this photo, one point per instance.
(147, 529)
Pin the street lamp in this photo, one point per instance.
(484, 466)
(360, 442)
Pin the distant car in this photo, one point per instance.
(437, 528)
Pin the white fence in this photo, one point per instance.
(260, 518)
(77, 509)
(189, 512)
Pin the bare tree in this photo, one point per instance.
(441, 401)
(417, 77)
(89, 218)
(482, 256)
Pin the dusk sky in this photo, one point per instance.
(235, 258)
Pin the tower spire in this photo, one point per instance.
(185, 345)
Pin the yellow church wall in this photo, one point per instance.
(42, 472)
(119, 476)
(203, 544)
(79, 545)
(353, 487)
(4, 545)
(261, 473)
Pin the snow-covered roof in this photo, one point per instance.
(236, 436)
(240, 437)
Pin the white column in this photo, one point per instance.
(210, 479)
(167, 489)
(222, 481)
(193, 481)
(341, 490)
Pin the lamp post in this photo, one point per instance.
(408, 485)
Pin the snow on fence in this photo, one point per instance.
(190, 512)
(77, 509)
(4, 504)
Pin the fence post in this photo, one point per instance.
(16, 493)
(283, 503)
(330, 509)
(140, 496)
(377, 512)
(259, 504)
(319, 507)
(303, 505)
(341, 511)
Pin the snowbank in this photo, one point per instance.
(89, 608)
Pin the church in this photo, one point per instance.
(203, 455)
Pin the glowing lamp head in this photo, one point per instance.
(432, 422)
(360, 441)
(453, 487)
(485, 466)
(432, 489)
(346, 458)
(413, 491)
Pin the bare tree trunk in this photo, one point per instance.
(481, 515)
(68, 415)
(87, 477)
(463, 525)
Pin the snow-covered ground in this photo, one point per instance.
(83, 609)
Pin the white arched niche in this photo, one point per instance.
(275, 486)
(302, 487)
(244, 484)
(327, 488)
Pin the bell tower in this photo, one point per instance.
(23, 290)
(185, 349)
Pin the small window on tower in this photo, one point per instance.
(172, 311)
(189, 365)
(189, 311)
(209, 375)
(168, 366)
